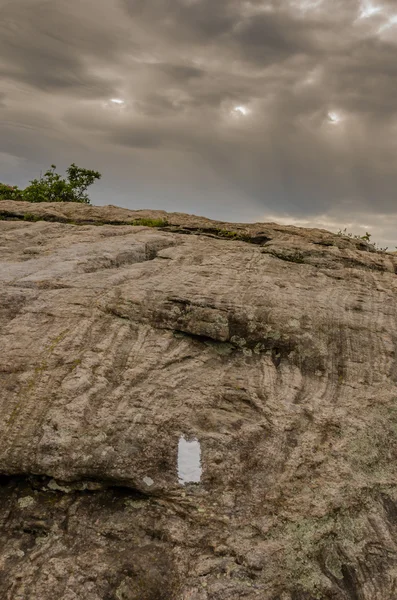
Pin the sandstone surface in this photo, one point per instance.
(274, 347)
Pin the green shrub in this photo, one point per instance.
(52, 187)
(149, 222)
(31, 217)
(344, 232)
(365, 238)
(10, 192)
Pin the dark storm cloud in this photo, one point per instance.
(364, 79)
(288, 105)
(273, 37)
(195, 21)
(45, 45)
(182, 72)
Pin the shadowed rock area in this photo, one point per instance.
(123, 332)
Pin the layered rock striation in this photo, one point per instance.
(273, 348)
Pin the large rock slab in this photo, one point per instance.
(273, 347)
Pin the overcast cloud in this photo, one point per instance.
(240, 110)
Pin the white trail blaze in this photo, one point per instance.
(189, 461)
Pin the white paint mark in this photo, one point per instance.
(189, 461)
(148, 480)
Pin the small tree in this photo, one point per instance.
(79, 180)
(54, 188)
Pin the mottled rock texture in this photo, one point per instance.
(274, 346)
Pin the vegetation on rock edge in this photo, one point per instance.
(52, 187)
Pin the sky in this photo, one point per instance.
(257, 110)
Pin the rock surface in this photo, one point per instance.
(274, 347)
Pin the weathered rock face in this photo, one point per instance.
(274, 347)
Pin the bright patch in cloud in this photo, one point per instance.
(368, 10)
(390, 22)
(334, 117)
(241, 110)
(117, 104)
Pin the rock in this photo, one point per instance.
(272, 346)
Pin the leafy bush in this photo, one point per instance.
(52, 187)
(10, 192)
